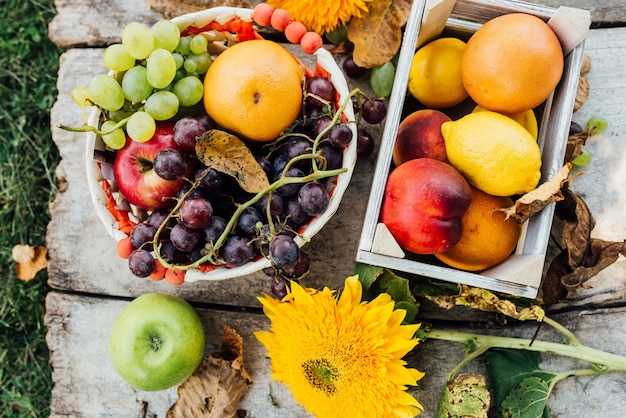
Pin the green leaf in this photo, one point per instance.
(409, 307)
(428, 287)
(527, 400)
(507, 368)
(367, 274)
(465, 396)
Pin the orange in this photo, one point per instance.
(512, 63)
(254, 89)
(488, 238)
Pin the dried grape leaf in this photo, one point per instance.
(230, 155)
(487, 301)
(575, 144)
(378, 34)
(217, 385)
(29, 260)
(535, 200)
(465, 396)
(583, 256)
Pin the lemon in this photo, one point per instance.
(493, 152)
(527, 119)
(435, 76)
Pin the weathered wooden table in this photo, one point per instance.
(92, 284)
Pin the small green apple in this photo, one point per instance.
(157, 342)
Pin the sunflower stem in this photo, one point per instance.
(609, 361)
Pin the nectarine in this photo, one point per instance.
(423, 204)
(419, 136)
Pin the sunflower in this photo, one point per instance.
(322, 16)
(341, 357)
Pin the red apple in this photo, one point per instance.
(423, 206)
(419, 136)
(134, 174)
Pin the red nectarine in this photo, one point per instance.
(419, 136)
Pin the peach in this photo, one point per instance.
(419, 136)
(423, 205)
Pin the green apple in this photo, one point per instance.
(157, 342)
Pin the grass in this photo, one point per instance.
(28, 157)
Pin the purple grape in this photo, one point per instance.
(279, 287)
(169, 164)
(141, 236)
(322, 88)
(365, 143)
(266, 165)
(186, 133)
(320, 125)
(351, 69)
(340, 135)
(210, 179)
(141, 263)
(374, 111)
(283, 250)
(170, 253)
(278, 164)
(294, 214)
(277, 205)
(206, 121)
(183, 238)
(296, 147)
(289, 190)
(333, 155)
(195, 212)
(313, 198)
(157, 217)
(246, 224)
(236, 251)
(299, 268)
(215, 228)
(575, 128)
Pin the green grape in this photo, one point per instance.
(598, 124)
(162, 105)
(116, 139)
(116, 58)
(189, 90)
(161, 68)
(179, 60)
(140, 126)
(190, 66)
(118, 115)
(583, 159)
(138, 40)
(198, 44)
(81, 96)
(135, 85)
(203, 61)
(166, 35)
(381, 79)
(183, 46)
(106, 92)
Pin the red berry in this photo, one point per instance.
(280, 19)
(294, 32)
(263, 14)
(311, 42)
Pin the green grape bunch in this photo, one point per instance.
(155, 73)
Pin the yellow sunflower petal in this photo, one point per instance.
(322, 15)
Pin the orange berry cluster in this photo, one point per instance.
(295, 32)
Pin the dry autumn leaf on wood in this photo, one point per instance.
(217, 385)
(377, 36)
(172, 8)
(583, 257)
(228, 154)
(29, 260)
(537, 199)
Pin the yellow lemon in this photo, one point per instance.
(527, 119)
(435, 76)
(493, 152)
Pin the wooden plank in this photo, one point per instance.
(86, 385)
(83, 259)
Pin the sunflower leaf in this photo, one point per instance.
(229, 155)
(465, 396)
(378, 34)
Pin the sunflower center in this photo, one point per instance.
(321, 374)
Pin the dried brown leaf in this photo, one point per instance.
(378, 34)
(575, 143)
(487, 301)
(583, 257)
(228, 154)
(535, 200)
(29, 260)
(217, 385)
